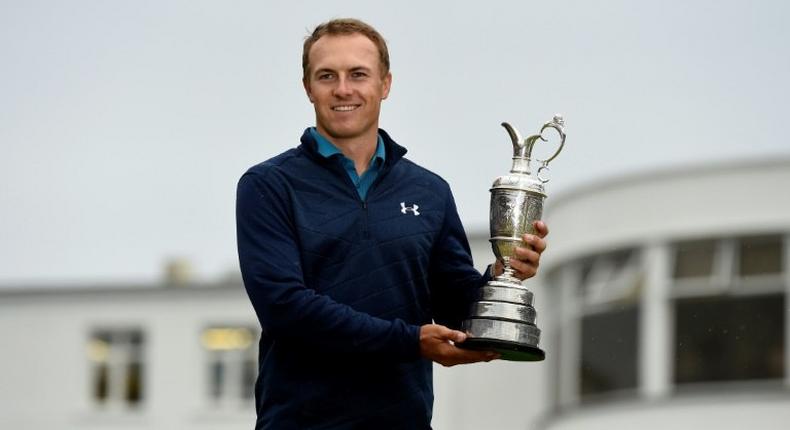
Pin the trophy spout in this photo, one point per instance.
(515, 136)
(522, 150)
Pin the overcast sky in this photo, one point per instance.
(124, 126)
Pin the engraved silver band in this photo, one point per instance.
(499, 330)
(504, 311)
(505, 293)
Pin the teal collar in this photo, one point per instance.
(361, 183)
(328, 149)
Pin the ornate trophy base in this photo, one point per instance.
(503, 320)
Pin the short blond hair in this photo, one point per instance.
(345, 26)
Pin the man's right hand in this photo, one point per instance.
(437, 343)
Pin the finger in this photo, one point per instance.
(457, 336)
(498, 267)
(537, 243)
(476, 356)
(523, 270)
(469, 356)
(526, 255)
(449, 334)
(455, 355)
(526, 263)
(541, 228)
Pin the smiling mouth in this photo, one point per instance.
(345, 108)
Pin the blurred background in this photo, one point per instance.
(124, 127)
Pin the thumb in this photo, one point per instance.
(456, 336)
(447, 333)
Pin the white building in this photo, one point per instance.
(127, 357)
(669, 305)
(664, 306)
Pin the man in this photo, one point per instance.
(349, 253)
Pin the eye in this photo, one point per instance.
(358, 75)
(325, 76)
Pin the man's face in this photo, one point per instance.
(346, 86)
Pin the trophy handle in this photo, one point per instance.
(541, 170)
(557, 123)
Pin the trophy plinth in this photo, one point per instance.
(503, 318)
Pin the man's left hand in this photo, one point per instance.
(527, 258)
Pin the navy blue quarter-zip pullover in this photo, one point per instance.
(341, 286)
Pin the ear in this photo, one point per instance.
(386, 85)
(306, 84)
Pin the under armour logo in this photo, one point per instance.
(412, 209)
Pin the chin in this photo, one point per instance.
(344, 132)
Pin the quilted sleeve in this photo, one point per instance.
(453, 279)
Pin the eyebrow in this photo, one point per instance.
(353, 69)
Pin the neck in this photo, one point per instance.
(359, 149)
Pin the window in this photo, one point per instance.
(734, 330)
(694, 259)
(729, 338)
(609, 352)
(761, 255)
(117, 367)
(610, 288)
(612, 277)
(232, 364)
(717, 306)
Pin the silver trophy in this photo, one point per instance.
(503, 318)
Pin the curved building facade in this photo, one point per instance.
(666, 300)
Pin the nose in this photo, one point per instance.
(343, 87)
